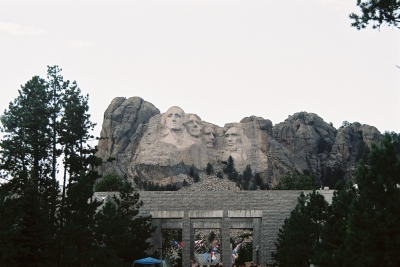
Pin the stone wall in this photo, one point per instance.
(267, 209)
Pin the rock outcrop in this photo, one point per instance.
(162, 147)
(125, 121)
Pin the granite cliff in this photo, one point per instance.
(161, 147)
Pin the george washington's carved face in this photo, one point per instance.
(193, 125)
(174, 118)
(231, 137)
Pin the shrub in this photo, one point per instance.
(209, 169)
(110, 182)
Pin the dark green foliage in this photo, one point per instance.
(396, 141)
(220, 174)
(43, 227)
(247, 173)
(323, 146)
(26, 125)
(306, 181)
(360, 229)
(209, 169)
(122, 234)
(234, 176)
(292, 181)
(245, 254)
(26, 160)
(230, 170)
(287, 182)
(109, 230)
(300, 231)
(137, 181)
(331, 250)
(362, 151)
(373, 233)
(111, 159)
(185, 183)
(253, 186)
(265, 186)
(247, 177)
(378, 12)
(259, 182)
(196, 178)
(257, 179)
(211, 237)
(109, 183)
(78, 244)
(150, 186)
(168, 237)
(330, 177)
(229, 166)
(191, 171)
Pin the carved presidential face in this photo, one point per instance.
(174, 118)
(209, 136)
(231, 137)
(193, 125)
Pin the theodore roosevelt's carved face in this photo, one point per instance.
(231, 137)
(209, 136)
(174, 118)
(193, 125)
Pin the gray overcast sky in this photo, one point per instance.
(223, 60)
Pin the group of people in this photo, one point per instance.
(252, 265)
(195, 264)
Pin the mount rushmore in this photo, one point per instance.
(162, 147)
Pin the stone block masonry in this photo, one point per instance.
(263, 211)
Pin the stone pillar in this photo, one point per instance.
(156, 239)
(186, 242)
(269, 231)
(257, 257)
(191, 241)
(226, 253)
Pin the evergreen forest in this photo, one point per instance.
(48, 213)
(361, 225)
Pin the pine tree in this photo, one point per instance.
(124, 233)
(109, 231)
(26, 163)
(110, 182)
(292, 181)
(245, 254)
(331, 250)
(287, 182)
(230, 166)
(379, 12)
(46, 121)
(10, 213)
(246, 178)
(301, 231)
(373, 237)
(209, 169)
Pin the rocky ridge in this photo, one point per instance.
(143, 144)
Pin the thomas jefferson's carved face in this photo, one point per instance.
(193, 125)
(209, 136)
(231, 137)
(174, 119)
